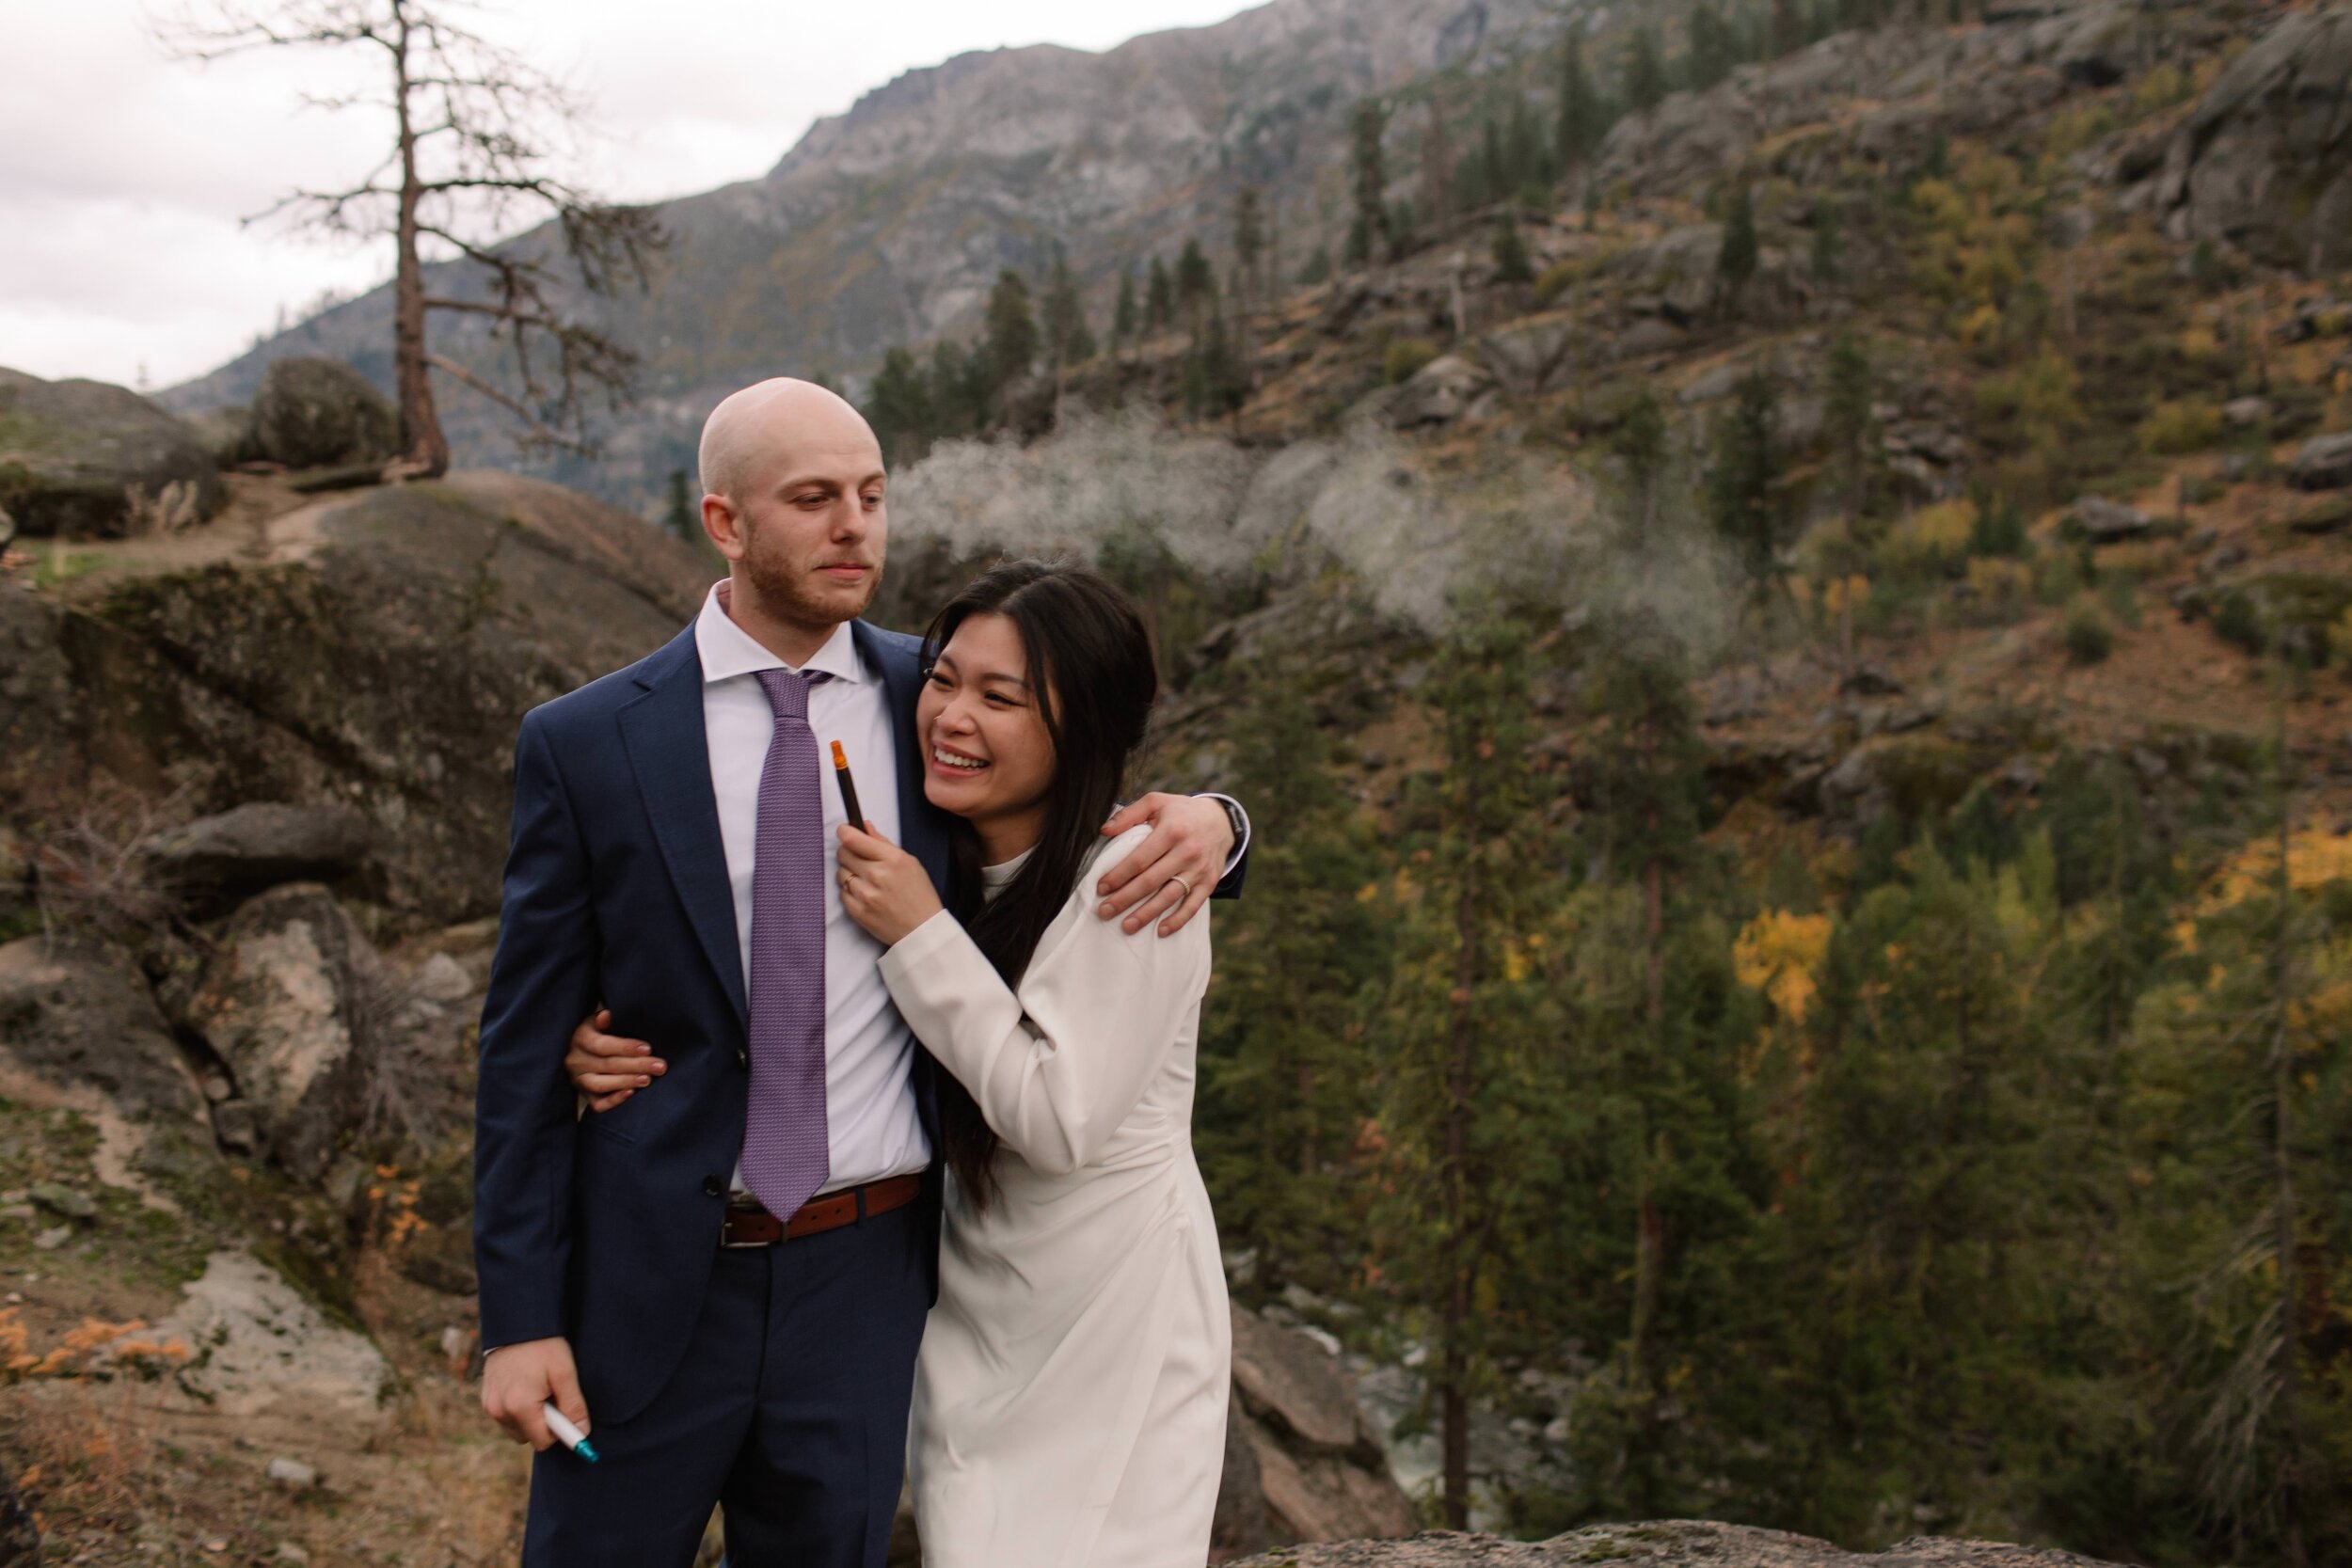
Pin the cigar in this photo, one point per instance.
(849, 788)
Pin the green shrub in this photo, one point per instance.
(1933, 541)
(2191, 424)
(1512, 264)
(2162, 88)
(2089, 636)
(2035, 408)
(2071, 130)
(1561, 276)
(1406, 357)
(2058, 576)
(1557, 279)
(2000, 528)
(2118, 591)
(2239, 619)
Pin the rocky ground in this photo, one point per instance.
(1668, 1544)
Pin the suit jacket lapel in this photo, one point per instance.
(919, 824)
(670, 753)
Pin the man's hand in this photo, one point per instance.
(607, 1068)
(1171, 873)
(520, 1377)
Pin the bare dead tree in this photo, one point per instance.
(473, 130)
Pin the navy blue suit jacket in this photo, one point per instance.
(603, 1229)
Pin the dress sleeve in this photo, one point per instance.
(1056, 1067)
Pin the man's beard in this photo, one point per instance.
(786, 593)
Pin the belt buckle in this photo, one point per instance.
(726, 1245)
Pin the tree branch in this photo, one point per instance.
(538, 430)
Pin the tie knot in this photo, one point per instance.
(788, 690)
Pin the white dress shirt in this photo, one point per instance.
(872, 1129)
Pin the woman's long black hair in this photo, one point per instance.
(1091, 672)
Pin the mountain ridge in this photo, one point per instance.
(887, 223)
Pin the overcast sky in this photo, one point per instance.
(123, 173)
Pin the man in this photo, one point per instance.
(731, 1274)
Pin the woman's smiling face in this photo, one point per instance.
(988, 756)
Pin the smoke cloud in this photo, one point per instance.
(1424, 549)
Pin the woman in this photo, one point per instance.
(1071, 1393)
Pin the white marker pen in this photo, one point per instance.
(566, 1433)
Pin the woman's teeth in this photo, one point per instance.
(968, 764)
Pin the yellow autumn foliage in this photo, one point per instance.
(1999, 581)
(2316, 856)
(1842, 593)
(1781, 955)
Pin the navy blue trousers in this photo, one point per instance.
(789, 1411)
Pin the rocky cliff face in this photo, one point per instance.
(374, 649)
(2263, 163)
(888, 224)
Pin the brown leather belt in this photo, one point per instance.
(747, 1224)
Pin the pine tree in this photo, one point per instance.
(1011, 331)
(1829, 264)
(1369, 239)
(1196, 287)
(1526, 153)
(1250, 244)
(1063, 315)
(1125, 316)
(1713, 48)
(1464, 1075)
(1159, 309)
(899, 406)
(956, 389)
(1577, 130)
(680, 519)
(1644, 71)
(1743, 484)
(1214, 381)
(1734, 265)
(1282, 1080)
(1404, 228)
(2241, 1079)
(1648, 768)
(1787, 33)
(1640, 445)
(1849, 426)
(1437, 167)
(1512, 264)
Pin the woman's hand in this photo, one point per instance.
(607, 1068)
(883, 887)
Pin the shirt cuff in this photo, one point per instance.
(1241, 829)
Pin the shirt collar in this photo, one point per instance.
(728, 651)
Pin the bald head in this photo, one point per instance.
(761, 436)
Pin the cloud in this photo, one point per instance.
(123, 174)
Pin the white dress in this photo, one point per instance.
(1070, 1398)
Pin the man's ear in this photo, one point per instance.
(724, 525)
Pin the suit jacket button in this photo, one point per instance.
(744, 1060)
(713, 1187)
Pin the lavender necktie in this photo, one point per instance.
(785, 1151)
